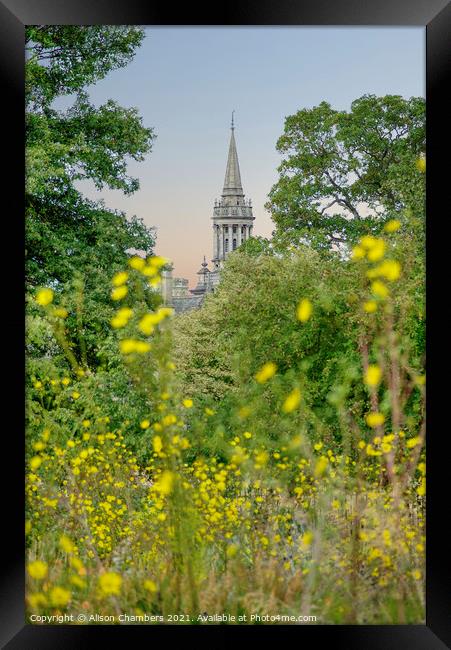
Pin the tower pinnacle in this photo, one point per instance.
(232, 181)
(232, 215)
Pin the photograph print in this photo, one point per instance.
(225, 325)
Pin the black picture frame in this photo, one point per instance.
(435, 16)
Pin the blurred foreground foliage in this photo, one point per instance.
(263, 454)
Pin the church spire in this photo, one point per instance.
(232, 215)
(232, 181)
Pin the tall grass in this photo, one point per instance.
(188, 518)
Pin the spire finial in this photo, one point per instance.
(232, 181)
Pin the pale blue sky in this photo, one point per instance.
(186, 81)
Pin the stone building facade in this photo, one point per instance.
(232, 225)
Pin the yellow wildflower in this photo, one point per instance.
(110, 583)
(121, 318)
(77, 564)
(266, 372)
(157, 444)
(147, 323)
(35, 462)
(374, 553)
(119, 279)
(373, 375)
(358, 252)
(59, 597)
(232, 550)
(304, 310)
(392, 226)
(307, 538)
(379, 289)
(66, 544)
(149, 271)
(77, 581)
(60, 312)
(421, 164)
(377, 251)
(157, 261)
(44, 297)
(37, 600)
(421, 490)
(169, 419)
(37, 569)
(145, 424)
(187, 403)
(261, 459)
(370, 306)
(150, 585)
(164, 312)
(320, 466)
(292, 401)
(165, 483)
(368, 241)
(119, 292)
(142, 347)
(390, 269)
(136, 263)
(127, 346)
(375, 419)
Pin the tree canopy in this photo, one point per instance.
(68, 235)
(64, 59)
(345, 173)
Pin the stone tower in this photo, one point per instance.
(232, 215)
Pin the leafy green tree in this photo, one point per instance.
(68, 236)
(256, 246)
(63, 59)
(251, 319)
(345, 173)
